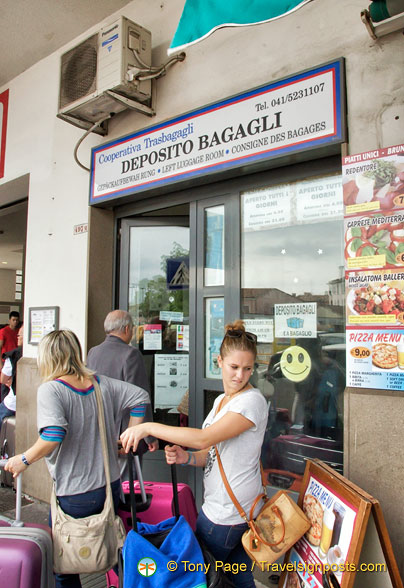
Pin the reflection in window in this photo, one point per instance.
(214, 331)
(294, 234)
(214, 246)
(158, 300)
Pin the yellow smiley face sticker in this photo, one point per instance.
(295, 363)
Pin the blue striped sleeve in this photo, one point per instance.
(53, 434)
(138, 411)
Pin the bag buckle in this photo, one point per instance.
(254, 544)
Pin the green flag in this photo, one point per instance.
(200, 18)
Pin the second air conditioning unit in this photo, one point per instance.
(94, 79)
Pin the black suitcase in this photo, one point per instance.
(7, 448)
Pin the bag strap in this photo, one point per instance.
(254, 529)
(241, 511)
(103, 435)
(228, 488)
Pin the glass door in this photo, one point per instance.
(155, 289)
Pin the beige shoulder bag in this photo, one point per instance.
(89, 544)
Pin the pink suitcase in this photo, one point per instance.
(154, 503)
(160, 503)
(26, 554)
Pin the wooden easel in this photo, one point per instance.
(369, 541)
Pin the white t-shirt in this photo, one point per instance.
(10, 400)
(240, 458)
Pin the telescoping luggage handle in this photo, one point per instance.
(18, 497)
(131, 456)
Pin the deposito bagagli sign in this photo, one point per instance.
(297, 113)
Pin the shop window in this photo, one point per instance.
(292, 297)
(214, 329)
(214, 246)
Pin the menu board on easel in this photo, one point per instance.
(348, 537)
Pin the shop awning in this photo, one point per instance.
(200, 18)
(382, 9)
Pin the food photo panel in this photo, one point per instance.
(375, 298)
(375, 358)
(374, 180)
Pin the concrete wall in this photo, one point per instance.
(7, 285)
(100, 272)
(36, 480)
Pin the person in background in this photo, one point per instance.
(116, 358)
(68, 428)
(8, 378)
(8, 334)
(236, 425)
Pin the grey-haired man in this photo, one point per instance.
(116, 358)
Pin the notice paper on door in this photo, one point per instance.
(171, 379)
(152, 337)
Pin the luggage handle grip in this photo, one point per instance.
(18, 497)
(130, 457)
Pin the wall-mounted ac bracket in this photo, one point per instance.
(384, 27)
(102, 128)
(134, 104)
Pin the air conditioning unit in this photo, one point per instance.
(94, 80)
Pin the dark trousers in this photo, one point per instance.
(78, 506)
(224, 543)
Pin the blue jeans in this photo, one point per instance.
(224, 542)
(5, 412)
(78, 506)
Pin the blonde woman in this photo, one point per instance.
(236, 425)
(68, 429)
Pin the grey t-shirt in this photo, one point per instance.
(77, 464)
(240, 458)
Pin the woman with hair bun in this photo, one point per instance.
(236, 425)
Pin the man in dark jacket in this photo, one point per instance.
(116, 358)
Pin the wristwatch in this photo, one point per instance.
(24, 460)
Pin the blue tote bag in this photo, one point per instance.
(175, 563)
(165, 555)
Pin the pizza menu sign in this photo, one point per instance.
(373, 189)
(328, 541)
